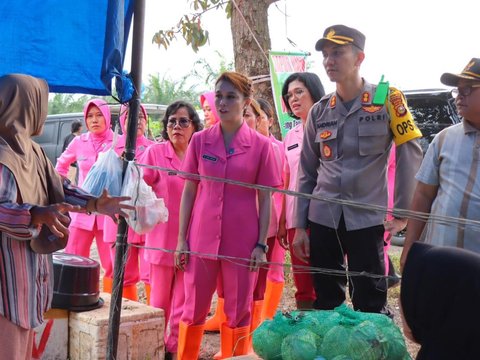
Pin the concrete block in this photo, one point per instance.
(141, 334)
(51, 338)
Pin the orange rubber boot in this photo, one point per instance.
(213, 324)
(148, 289)
(107, 285)
(189, 341)
(234, 342)
(256, 321)
(273, 295)
(130, 292)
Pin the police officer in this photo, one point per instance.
(345, 153)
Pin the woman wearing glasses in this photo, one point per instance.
(300, 91)
(179, 123)
(221, 231)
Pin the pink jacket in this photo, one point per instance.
(168, 186)
(84, 150)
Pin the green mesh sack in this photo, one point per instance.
(267, 341)
(301, 345)
(342, 357)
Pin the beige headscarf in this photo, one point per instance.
(23, 111)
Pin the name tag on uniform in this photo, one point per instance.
(291, 147)
(172, 173)
(209, 158)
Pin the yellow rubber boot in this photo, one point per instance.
(273, 295)
(107, 285)
(148, 289)
(130, 292)
(189, 341)
(213, 324)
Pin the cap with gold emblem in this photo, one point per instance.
(471, 72)
(341, 35)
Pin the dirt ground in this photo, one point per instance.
(211, 341)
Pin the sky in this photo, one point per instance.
(410, 42)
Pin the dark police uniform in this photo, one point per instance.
(345, 156)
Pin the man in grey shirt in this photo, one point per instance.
(347, 142)
(447, 179)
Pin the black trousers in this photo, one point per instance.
(363, 249)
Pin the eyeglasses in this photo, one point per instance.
(182, 122)
(464, 90)
(297, 92)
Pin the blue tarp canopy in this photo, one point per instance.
(78, 46)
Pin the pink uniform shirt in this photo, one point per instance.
(278, 151)
(169, 186)
(85, 153)
(224, 217)
(109, 227)
(293, 147)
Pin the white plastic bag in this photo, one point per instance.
(106, 173)
(149, 210)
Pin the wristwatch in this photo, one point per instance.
(263, 247)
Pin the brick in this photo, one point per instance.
(141, 333)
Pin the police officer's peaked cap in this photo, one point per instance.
(470, 72)
(342, 35)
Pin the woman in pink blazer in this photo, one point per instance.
(221, 232)
(179, 123)
(136, 267)
(84, 149)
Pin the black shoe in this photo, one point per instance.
(393, 279)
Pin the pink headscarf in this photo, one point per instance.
(124, 113)
(99, 139)
(210, 97)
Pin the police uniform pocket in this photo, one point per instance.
(327, 142)
(373, 137)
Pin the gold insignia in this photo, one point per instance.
(333, 101)
(330, 34)
(469, 66)
(325, 134)
(327, 151)
(372, 108)
(366, 97)
(397, 103)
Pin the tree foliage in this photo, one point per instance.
(162, 90)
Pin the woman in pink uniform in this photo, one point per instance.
(222, 219)
(273, 289)
(84, 149)
(207, 102)
(136, 268)
(300, 91)
(179, 123)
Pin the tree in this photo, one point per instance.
(250, 34)
(165, 91)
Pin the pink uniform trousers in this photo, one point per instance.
(135, 268)
(302, 279)
(274, 273)
(16, 343)
(80, 241)
(200, 283)
(168, 293)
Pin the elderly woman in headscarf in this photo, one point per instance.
(440, 293)
(33, 200)
(84, 149)
(136, 268)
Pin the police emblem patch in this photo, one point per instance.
(327, 151)
(366, 97)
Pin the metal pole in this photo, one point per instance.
(121, 246)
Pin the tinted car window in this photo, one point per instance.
(433, 111)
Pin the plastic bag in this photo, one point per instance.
(106, 173)
(149, 210)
